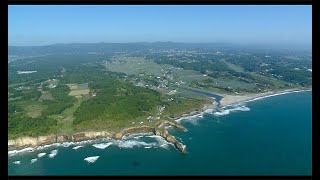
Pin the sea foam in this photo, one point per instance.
(17, 162)
(65, 144)
(234, 108)
(161, 142)
(33, 160)
(41, 154)
(132, 143)
(77, 147)
(53, 153)
(14, 152)
(136, 135)
(192, 117)
(102, 145)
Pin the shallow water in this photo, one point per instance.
(271, 136)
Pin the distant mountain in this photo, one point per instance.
(104, 47)
(143, 46)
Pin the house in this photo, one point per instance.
(52, 85)
(94, 93)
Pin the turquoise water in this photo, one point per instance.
(272, 138)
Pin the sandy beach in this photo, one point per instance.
(233, 99)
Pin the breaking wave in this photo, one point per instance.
(136, 135)
(53, 153)
(133, 143)
(192, 117)
(161, 142)
(14, 152)
(91, 159)
(234, 108)
(128, 141)
(65, 144)
(102, 145)
(77, 147)
(33, 160)
(41, 154)
(17, 162)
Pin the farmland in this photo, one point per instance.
(81, 91)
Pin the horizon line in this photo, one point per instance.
(227, 43)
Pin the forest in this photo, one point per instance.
(41, 102)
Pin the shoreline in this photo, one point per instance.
(82, 137)
(28, 143)
(229, 100)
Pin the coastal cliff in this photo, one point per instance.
(24, 142)
(165, 134)
(174, 124)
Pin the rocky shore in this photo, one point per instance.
(163, 123)
(24, 142)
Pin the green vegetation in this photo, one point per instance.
(135, 65)
(120, 86)
(117, 103)
(60, 101)
(181, 105)
(22, 125)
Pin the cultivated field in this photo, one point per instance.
(135, 65)
(79, 92)
(78, 89)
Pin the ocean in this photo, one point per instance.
(270, 136)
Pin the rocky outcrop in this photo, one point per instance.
(175, 124)
(23, 142)
(165, 134)
(142, 129)
(90, 135)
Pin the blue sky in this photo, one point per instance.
(41, 25)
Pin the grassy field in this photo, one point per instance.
(78, 86)
(80, 92)
(46, 95)
(189, 75)
(65, 119)
(234, 67)
(78, 89)
(32, 108)
(277, 83)
(72, 86)
(135, 65)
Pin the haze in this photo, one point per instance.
(264, 25)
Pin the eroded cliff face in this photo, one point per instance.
(23, 142)
(142, 129)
